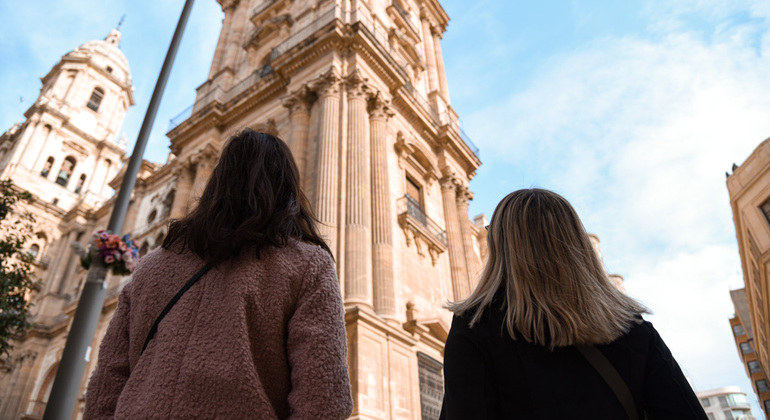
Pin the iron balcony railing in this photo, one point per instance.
(174, 122)
(409, 206)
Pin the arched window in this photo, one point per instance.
(81, 182)
(34, 250)
(47, 167)
(152, 216)
(143, 250)
(96, 98)
(66, 171)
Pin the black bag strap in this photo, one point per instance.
(172, 302)
(612, 377)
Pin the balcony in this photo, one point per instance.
(420, 229)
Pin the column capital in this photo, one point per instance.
(449, 182)
(328, 84)
(357, 85)
(300, 100)
(464, 195)
(379, 107)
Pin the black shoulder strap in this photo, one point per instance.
(172, 302)
(612, 377)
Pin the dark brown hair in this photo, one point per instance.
(253, 200)
(555, 288)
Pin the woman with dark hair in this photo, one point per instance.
(238, 315)
(546, 335)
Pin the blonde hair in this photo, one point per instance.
(556, 291)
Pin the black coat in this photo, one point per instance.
(488, 375)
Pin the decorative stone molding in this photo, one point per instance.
(379, 107)
(418, 158)
(420, 230)
(328, 84)
(300, 100)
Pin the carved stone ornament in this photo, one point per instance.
(328, 84)
(379, 107)
(299, 100)
(356, 85)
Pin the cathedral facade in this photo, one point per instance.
(357, 88)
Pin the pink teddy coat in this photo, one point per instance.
(252, 339)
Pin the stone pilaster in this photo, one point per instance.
(298, 104)
(463, 196)
(459, 272)
(430, 55)
(219, 53)
(326, 188)
(443, 87)
(184, 184)
(382, 219)
(358, 210)
(234, 45)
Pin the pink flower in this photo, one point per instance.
(109, 259)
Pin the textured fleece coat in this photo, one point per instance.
(252, 339)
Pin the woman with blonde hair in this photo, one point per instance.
(545, 334)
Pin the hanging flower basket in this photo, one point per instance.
(119, 254)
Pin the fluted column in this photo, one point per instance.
(326, 187)
(463, 195)
(358, 203)
(382, 219)
(299, 115)
(234, 43)
(444, 88)
(459, 273)
(184, 183)
(219, 53)
(430, 55)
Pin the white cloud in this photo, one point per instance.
(638, 133)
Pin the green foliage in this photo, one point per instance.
(17, 282)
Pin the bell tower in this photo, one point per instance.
(67, 149)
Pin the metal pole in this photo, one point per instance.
(66, 385)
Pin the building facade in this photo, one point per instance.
(63, 153)
(749, 189)
(727, 403)
(357, 88)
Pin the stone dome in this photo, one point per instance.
(106, 54)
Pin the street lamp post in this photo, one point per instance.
(69, 376)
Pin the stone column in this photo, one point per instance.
(219, 53)
(463, 196)
(326, 187)
(459, 273)
(444, 88)
(358, 203)
(382, 219)
(33, 147)
(234, 42)
(299, 114)
(184, 183)
(430, 55)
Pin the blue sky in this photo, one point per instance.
(631, 110)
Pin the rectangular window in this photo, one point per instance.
(711, 416)
(705, 402)
(723, 401)
(746, 348)
(738, 330)
(413, 190)
(754, 366)
(431, 386)
(762, 386)
(767, 406)
(728, 415)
